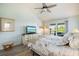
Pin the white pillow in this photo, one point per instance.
(63, 40)
(54, 40)
(74, 41)
(66, 36)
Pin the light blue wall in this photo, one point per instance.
(73, 22)
(22, 18)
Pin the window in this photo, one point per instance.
(61, 29)
(53, 29)
(58, 29)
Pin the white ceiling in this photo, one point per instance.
(58, 12)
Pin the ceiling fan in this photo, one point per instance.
(45, 7)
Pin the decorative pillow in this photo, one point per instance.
(66, 36)
(63, 40)
(54, 40)
(74, 41)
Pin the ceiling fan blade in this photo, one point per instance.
(48, 10)
(52, 6)
(37, 8)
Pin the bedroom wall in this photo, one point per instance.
(22, 16)
(73, 22)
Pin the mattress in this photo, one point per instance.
(53, 46)
(55, 51)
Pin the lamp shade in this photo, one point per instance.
(44, 29)
(75, 30)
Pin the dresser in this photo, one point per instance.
(30, 38)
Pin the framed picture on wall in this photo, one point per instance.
(7, 24)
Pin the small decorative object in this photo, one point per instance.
(8, 45)
(7, 24)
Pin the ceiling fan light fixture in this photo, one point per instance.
(45, 8)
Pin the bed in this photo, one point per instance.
(56, 46)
